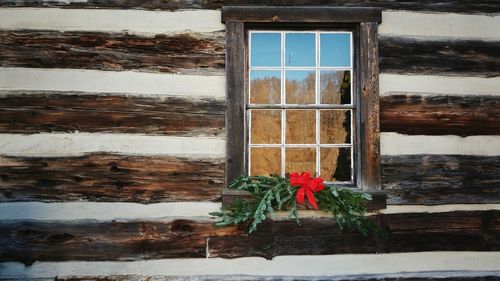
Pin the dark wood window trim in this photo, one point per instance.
(239, 18)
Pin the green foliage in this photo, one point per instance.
(276, 194)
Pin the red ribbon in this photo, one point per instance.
(307, 187)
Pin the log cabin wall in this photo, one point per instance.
(112, 147)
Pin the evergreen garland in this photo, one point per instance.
(275, 193)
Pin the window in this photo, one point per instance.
(302, 92)
(300, 106)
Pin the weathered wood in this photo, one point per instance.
(453, 57)
(300, 14)
(41, 111)
(235, 97)
(378, 201)
(181, 53)
(450, 231)
(441, 179)
(30, 241)
(456, 6)
(108, 177)
(460, 6)
(117, 4)
(413, 114)
(368, 124)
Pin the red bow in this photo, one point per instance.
(307, 187)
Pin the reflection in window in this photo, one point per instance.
(266, 49)
(300, 111)
(265, 86)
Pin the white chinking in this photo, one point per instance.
(104, 211)
(399, 144)
(402, 23)
(130, 82)
(438, 85)
(131, 21)
(76, 144)
(327, 265)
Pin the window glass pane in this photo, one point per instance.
(300, 127)
(335, 86)
(335, 49)
(265, 126)
(336, 163)
(265, 86)
(300, 86)
(300, 49)
(335, 126)
(265, 49)
(265, 161)
(300, 160)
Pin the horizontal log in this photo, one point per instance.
(108, 178)
(452, 231)
(440, 115)
(30, 241)
(442, 57)
(441, 179)
(44, 111)
(181, 53)
(195, 53)
(117, 4)
(460, 6)
(302, 14)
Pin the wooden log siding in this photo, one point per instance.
(460, 6)
(43, 111)
(204, 53)
(441, 179)
(439, 57)
(180, 53)
(37, 241)
(413, 114)
(108, 177)
(29, 241)
(451, 231)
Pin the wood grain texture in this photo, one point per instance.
(451, 231)
(180, 53)
(29, 241)
(235, 98)
(369, 127)
(460, 6)
(413, 114)
(441, 179)
(117, 4)
(43, 111)
(439, 57)
(323, 14)
(108, 178)
(456, 6)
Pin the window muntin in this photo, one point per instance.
(301, 106)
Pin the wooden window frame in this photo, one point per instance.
(364, 21)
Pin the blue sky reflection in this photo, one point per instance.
(266, 49)
(300, 49)
(335, 49)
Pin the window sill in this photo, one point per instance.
(378, 201)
